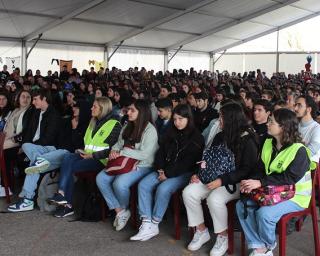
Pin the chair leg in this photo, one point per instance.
(176, 210)
(282, 238)
(103, 210)
(133, 207)
(315, 229)
(318, 180)
(299, 223)
(230, 229)
(243, 244)
(192, 230)
(5, 180)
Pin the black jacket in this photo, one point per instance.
(202, 119)
(49, 127)
(178, 155)
(72, 139)
(246, 159)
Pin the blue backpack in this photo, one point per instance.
(218, 160)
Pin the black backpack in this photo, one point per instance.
(87, 201)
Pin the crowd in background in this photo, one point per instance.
(164, 121)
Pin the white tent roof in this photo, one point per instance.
(208, 26)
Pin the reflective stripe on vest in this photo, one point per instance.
(97, 142)
(281, 162)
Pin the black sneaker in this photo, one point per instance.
(57, 199)
(63, 211)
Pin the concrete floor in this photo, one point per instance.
(35, 233)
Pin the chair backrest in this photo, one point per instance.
(2, 138)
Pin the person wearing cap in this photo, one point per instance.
(203, 113)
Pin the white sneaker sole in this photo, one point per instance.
(149, 237)
(198, 247)
(37, 169)
(26, 209)
(68, 214)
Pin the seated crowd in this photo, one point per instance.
(166, 126)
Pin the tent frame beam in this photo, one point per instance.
(266, 32)
(159, 22)
(34, 44)
(176, 52)
(233, 23)
(65, 18)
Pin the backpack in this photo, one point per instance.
(47, 188)
(86, 201)
(216, 160)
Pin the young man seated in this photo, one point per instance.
(163, 121)
(261, 113)
(40, 138)
(203, 113)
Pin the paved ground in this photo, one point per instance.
(36, 233)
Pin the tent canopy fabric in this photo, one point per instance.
(197, 25)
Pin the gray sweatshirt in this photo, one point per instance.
(310, 133)
(144, 151)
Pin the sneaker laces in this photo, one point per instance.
(220, 240)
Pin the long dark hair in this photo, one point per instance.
(4, 111)
(134, 129)
(185, 111)
(289, 123)
(235, 123)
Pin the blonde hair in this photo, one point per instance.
(105, 106)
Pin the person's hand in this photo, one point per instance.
(161, 176)
(113, 154)
(86, 156)
(194, 179)
(246, 186)
(214, 184)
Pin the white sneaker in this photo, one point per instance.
(3, 192)
(147, 230)
(122, 219)
(220, 247)
(39, 166)
(199, 239)
(267, 253)
(22, 205)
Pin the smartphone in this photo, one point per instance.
(80, 151)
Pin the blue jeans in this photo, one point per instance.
(116, 189)
(154, 207)
(71, 164)
(33, 151)
(260, 225)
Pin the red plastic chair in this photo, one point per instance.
(231, 216)
(3, 168)
(176, 201)
(282, 224)
(311, 210)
